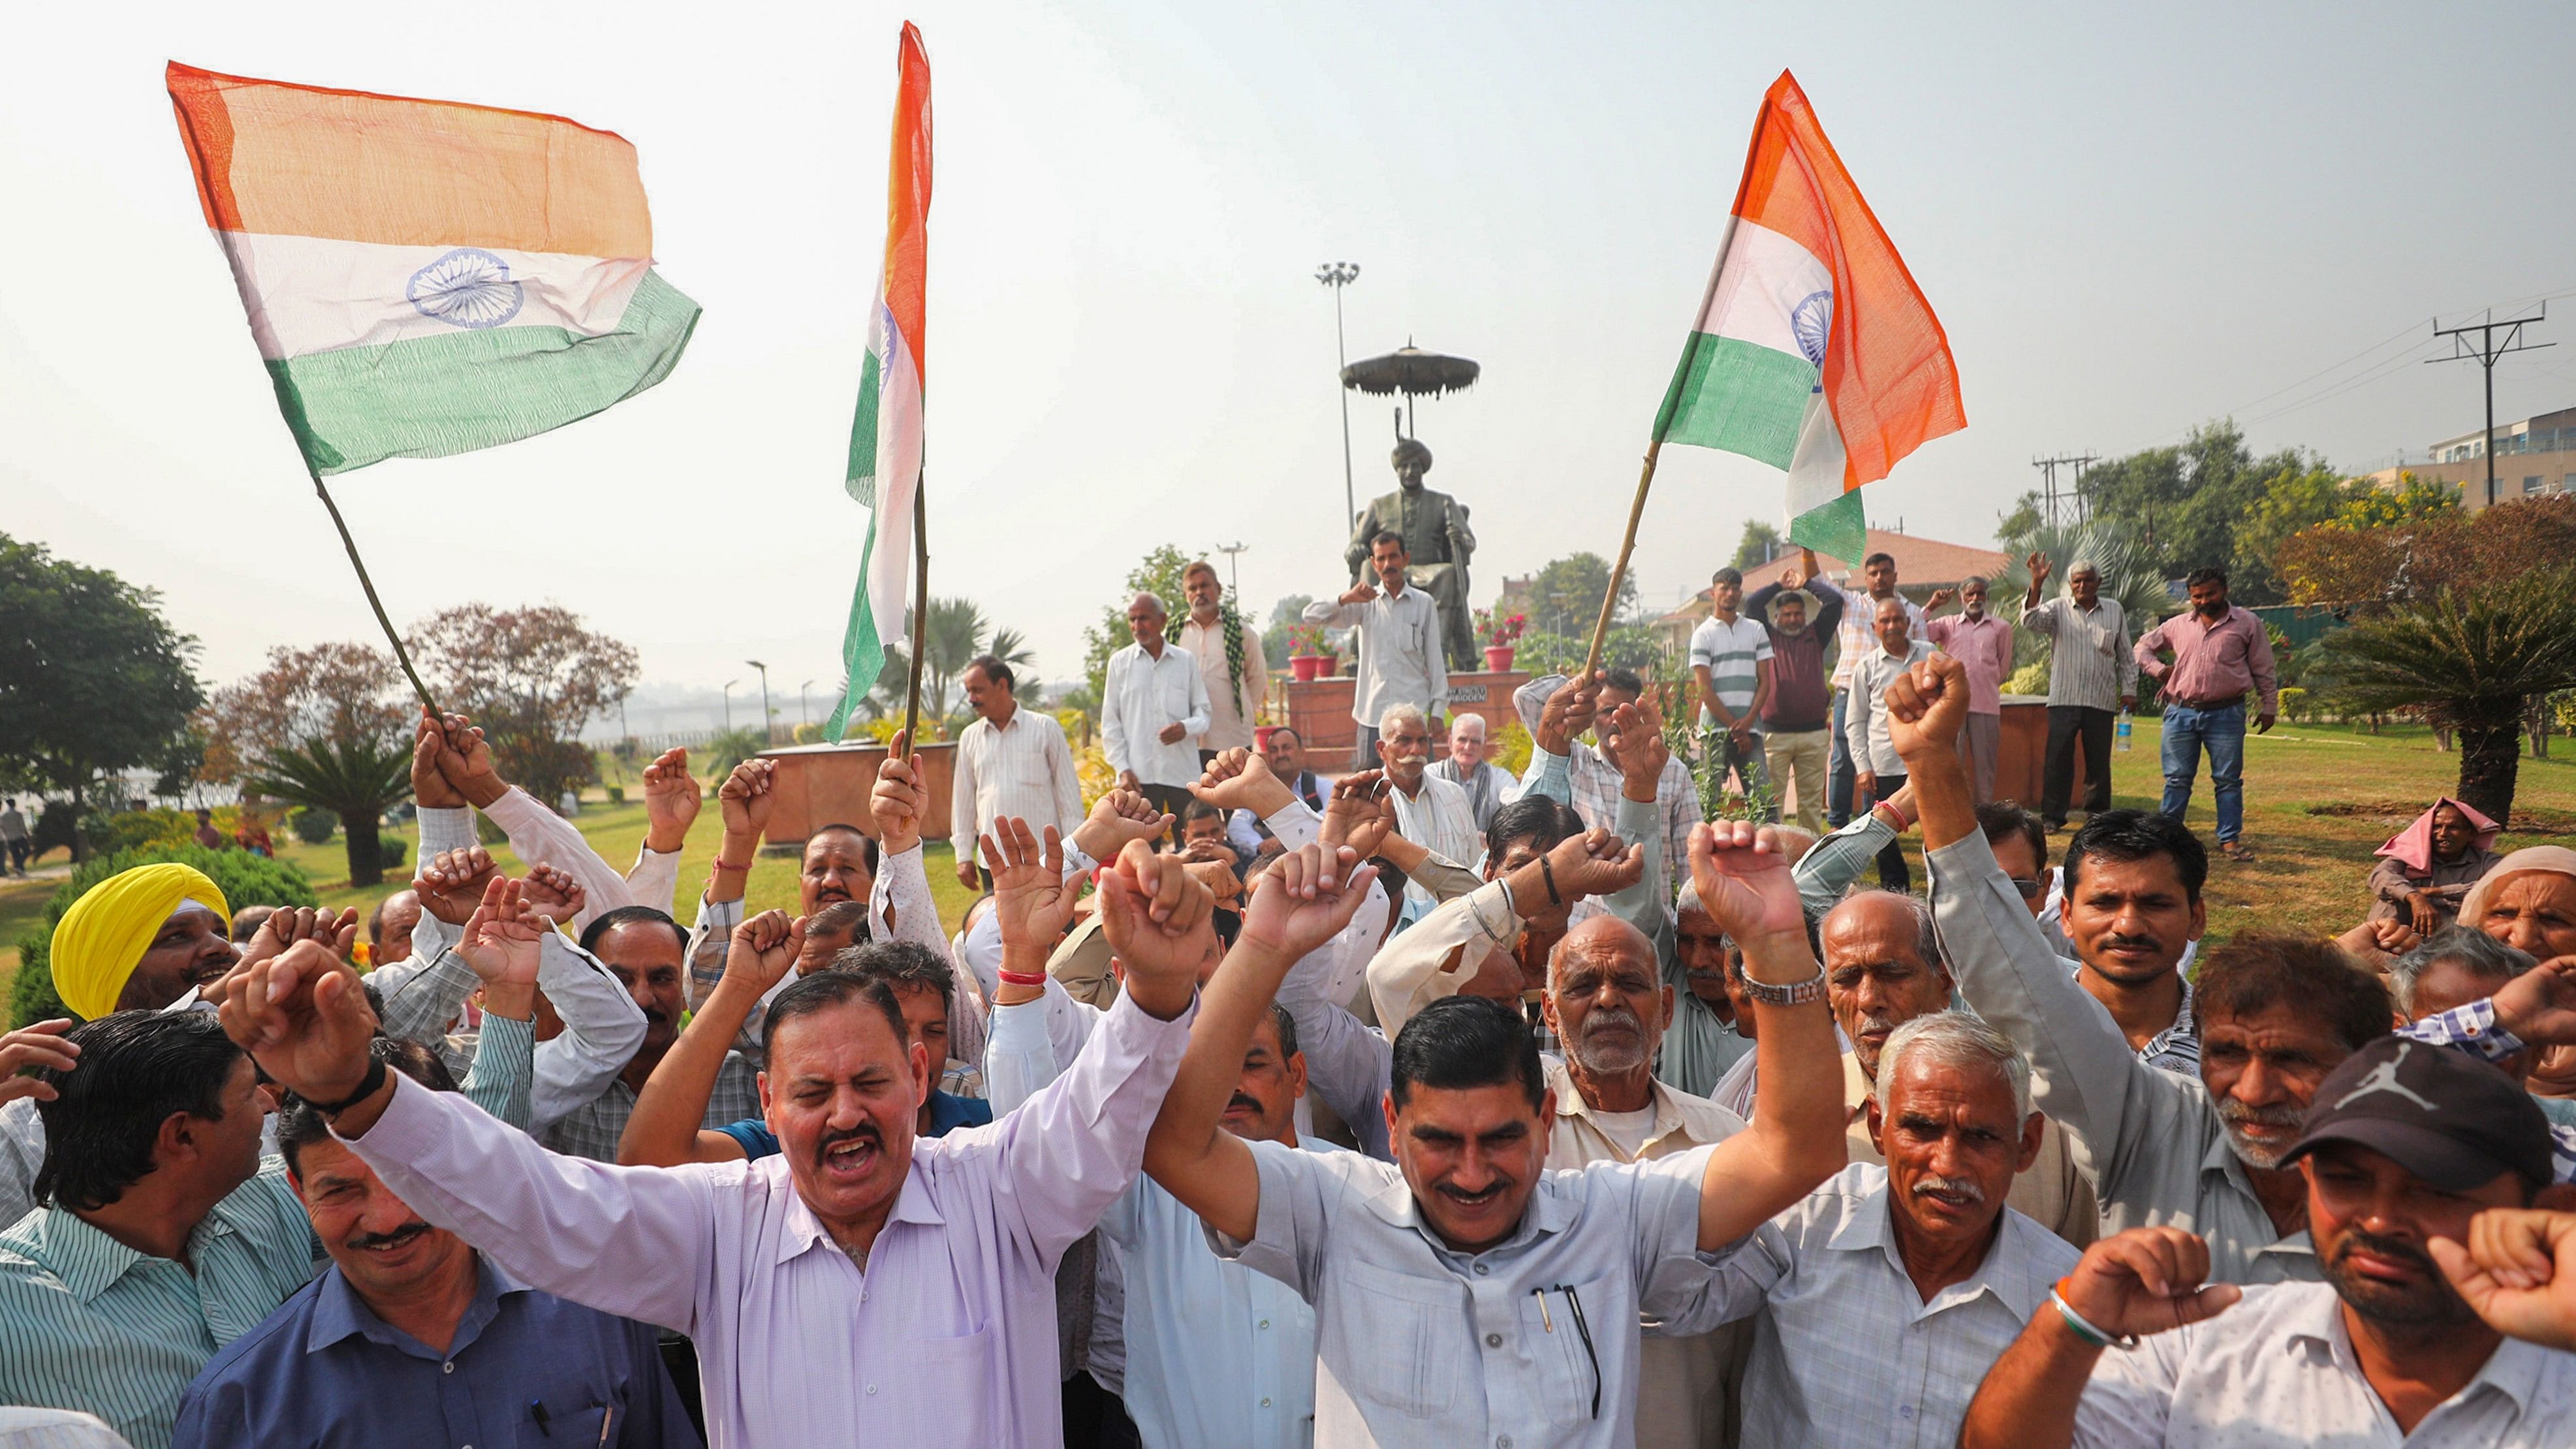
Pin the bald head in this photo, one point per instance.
(1606, 1000)
(1882, 968)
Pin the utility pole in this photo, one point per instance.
(764, 700)
(804, 712)
(1234, 569)
(729, 684)
(2074, 495)
(2484, 355)
(1338, 275)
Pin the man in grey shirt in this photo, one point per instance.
(2276, 1014)
(1465, 1294)
(2090, 673)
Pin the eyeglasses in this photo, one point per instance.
(1581, 1328)
(2030, 889)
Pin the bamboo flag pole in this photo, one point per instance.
(401, 656)
(920, 614)
(1654, 447)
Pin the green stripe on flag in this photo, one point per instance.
(1737, 396)
(1839, 528)
(863, 436)
(862, 650)
(435, 396)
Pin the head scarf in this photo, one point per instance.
(2412, 847)
(2557, 858)
(103, 936)
(1801, 597)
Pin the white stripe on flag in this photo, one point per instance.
(309, 294)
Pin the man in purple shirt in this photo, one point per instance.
(860, 1287)
(1984, 643)
(2218, 654)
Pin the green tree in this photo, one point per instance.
(1759, 544)
(2184, 506)
(356, 779)
(2291, 500)
(2471, 659)
(532, 678)
(1284, 616)
(1160, 575)
(92, 679)
(1565, 598)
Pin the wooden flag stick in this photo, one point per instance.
(920, 614)
(401, 656)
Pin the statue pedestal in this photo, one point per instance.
(1320, 711)
(819, 785)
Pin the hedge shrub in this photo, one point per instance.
(246, 880)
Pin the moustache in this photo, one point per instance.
(1244, 1101)
(2141, 943)
(1870, 1021)
(2357, 1241)
(2236, 1113)
(1500, 1184)
(1959, 1187)
(864, 1133)
(656, 1016)
(364, 1242)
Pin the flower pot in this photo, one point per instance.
(1498, 658)
(1304, 667)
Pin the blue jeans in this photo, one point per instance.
(2222, 732)
(1838, 770)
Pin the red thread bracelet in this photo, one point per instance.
(724, 864)
(1023, 978)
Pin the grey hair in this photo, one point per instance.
(1397, 714)
(2083, 565)
(1159, 606)
(1956, 1039)
(1460, 722)
(1974, 581)
(1927, 939)
(2473, 950)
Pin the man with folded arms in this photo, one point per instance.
(1466, 1294)
(1880, 1300)
(860, 1286)
(2407, 1144)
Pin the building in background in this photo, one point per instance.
(1922, 565)
(2534, 455)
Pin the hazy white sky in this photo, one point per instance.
(2130, 220)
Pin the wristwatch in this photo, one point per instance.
(1796, 993)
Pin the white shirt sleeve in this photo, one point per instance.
(602, 1028)
(538, 836)
(1113, 715)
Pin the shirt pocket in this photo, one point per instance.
(1563, 1371)
(1401, 1340)
(948, 1399)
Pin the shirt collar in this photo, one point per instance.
(802, 1230)
(2315, 1326)
(2008, 1272)
(339, 1313)
(87, 1260)
(1670, 1117)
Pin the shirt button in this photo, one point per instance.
(1481, 1271)
(1906, 1412)
(872, 1389)
(1265, 1323)
(1493, 1340)
(448, 1367)
(1265, 1403)
(1502, 1441)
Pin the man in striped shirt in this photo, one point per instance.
(160, 1240)
(1012, 763)
(1730, 659)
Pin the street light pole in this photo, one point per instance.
(1234, 583)
(804, 714)
(764, 700)
(1338, 275)
(729, 684)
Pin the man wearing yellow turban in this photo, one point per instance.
(141, 939)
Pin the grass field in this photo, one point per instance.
(2319, 800)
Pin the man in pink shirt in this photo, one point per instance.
(1984, 643)
(862, 1286)
(2218, 653)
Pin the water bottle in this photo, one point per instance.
(2120, 732)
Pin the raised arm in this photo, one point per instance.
(1796, 1140)
(573, 1228)
(2039, 567)
(1419, 966)
(1299, 904)
(2518, 1272)
(663, 1130)
(744, 802)
(901, 907)
(2082, 1071)
(671, 805)
(536, 832)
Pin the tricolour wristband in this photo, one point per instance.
(2077, 1325)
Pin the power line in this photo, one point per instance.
(2485, 355)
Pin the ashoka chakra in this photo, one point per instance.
(468, 287)
(1811, 320)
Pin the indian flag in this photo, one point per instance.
(426, 277)
(1814, 351)
(885, 435)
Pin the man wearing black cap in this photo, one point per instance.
(2405, 1143)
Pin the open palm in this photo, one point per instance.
(1031, 901)
(505, 935)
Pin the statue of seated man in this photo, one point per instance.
(1434, 529)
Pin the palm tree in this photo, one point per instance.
(954, 637)
(2471, 662)
(355, 779)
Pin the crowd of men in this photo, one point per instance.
(1432, 1104)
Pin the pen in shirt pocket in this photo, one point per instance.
(537, 1411)
(1543, 1316)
